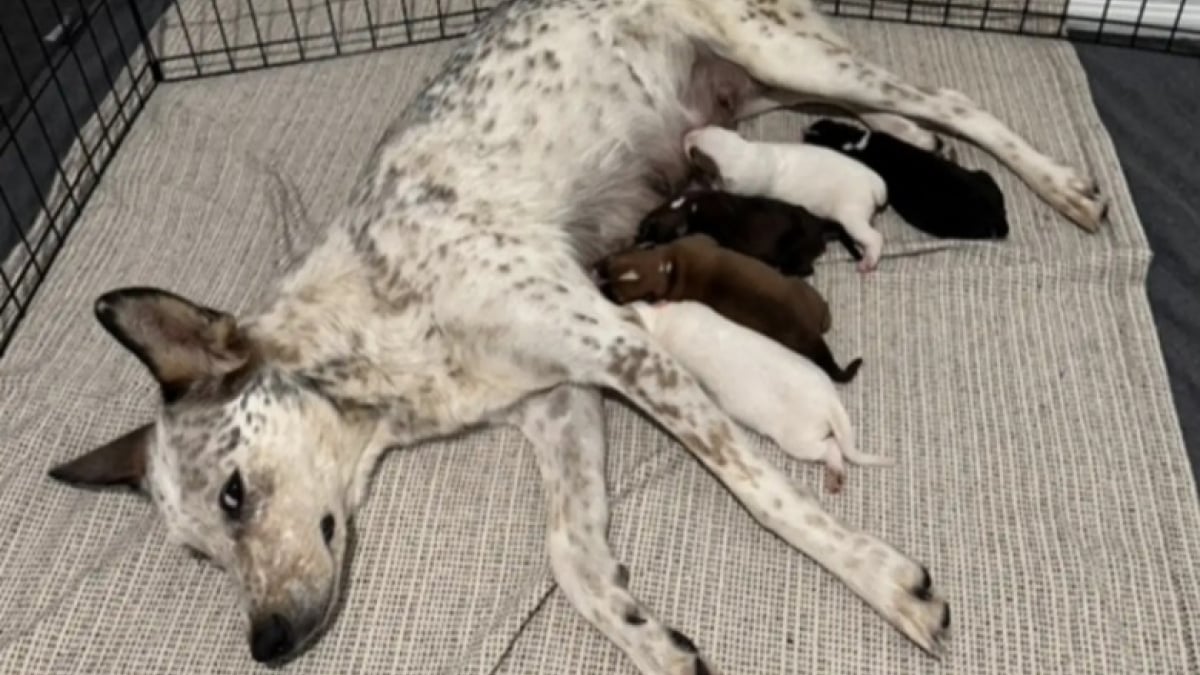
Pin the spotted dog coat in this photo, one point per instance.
(451, 293)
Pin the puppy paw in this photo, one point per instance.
(869, 262)
(944, 150)
(872, 249)
(835, 480)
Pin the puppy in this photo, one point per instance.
(932, 193)
(744, 290)
(761, 385)
(785, 236)
(825, 182)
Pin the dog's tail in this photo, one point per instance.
(843, 435)
(824, 358)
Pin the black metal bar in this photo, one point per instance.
(405, 19)
(21, 234)
(1103, 20)
(40, 267)
(126, 53)
(441, 17)
(112, 84)
(44, 80)
(296, 27)
(1024, 15)
(187, 37)
(62, 95)
(1175, 27)
(221, 31)
(46, 137)
(147, 44)
(320, 36)
(370, 24)
(10, 295)
(337, 47)
(257, 34)
(83, 75)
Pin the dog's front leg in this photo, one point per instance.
(566, 428)
(562, 329)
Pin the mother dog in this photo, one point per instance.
(453, 292)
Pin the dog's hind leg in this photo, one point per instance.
(770, 44)
(566, 428)
(562, 327)
(900, 127)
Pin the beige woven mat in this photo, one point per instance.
(1041, 473)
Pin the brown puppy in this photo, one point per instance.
(785, 236)
(740, 288)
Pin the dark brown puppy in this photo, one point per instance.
(784, 236)
(740, 288)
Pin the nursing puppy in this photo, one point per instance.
(761, 385)
(825, 182)
(932, 193)
(785, 236)
(742, 289)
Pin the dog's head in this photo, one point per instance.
(669, 221)
(832, 134)
(644, 274)
(718, 155)
(241, 462)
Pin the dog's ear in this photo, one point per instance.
(118, 462)
(706, 167)
(179, 341)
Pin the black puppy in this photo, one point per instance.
(932, 193)
(786, 237)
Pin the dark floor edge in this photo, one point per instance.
(1147, 102)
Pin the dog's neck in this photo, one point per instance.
(384, 374)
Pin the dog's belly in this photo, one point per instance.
(556, 123)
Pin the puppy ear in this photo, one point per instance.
(118, 462)
(706, 166)
(179, 341)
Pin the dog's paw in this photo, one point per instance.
(1077, 198)
(901, 590)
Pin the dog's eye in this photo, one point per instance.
(231, 496)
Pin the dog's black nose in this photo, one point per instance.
(271, 639)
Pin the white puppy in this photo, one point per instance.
(761, 384)
(827, 183)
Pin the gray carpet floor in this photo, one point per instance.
(1149, 105)
(1028, 496)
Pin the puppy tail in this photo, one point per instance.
(824, 358)
(843, 435)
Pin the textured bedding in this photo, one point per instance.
(1041, 472)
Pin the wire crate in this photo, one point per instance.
(75, 74)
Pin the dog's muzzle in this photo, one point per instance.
(272, 638)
